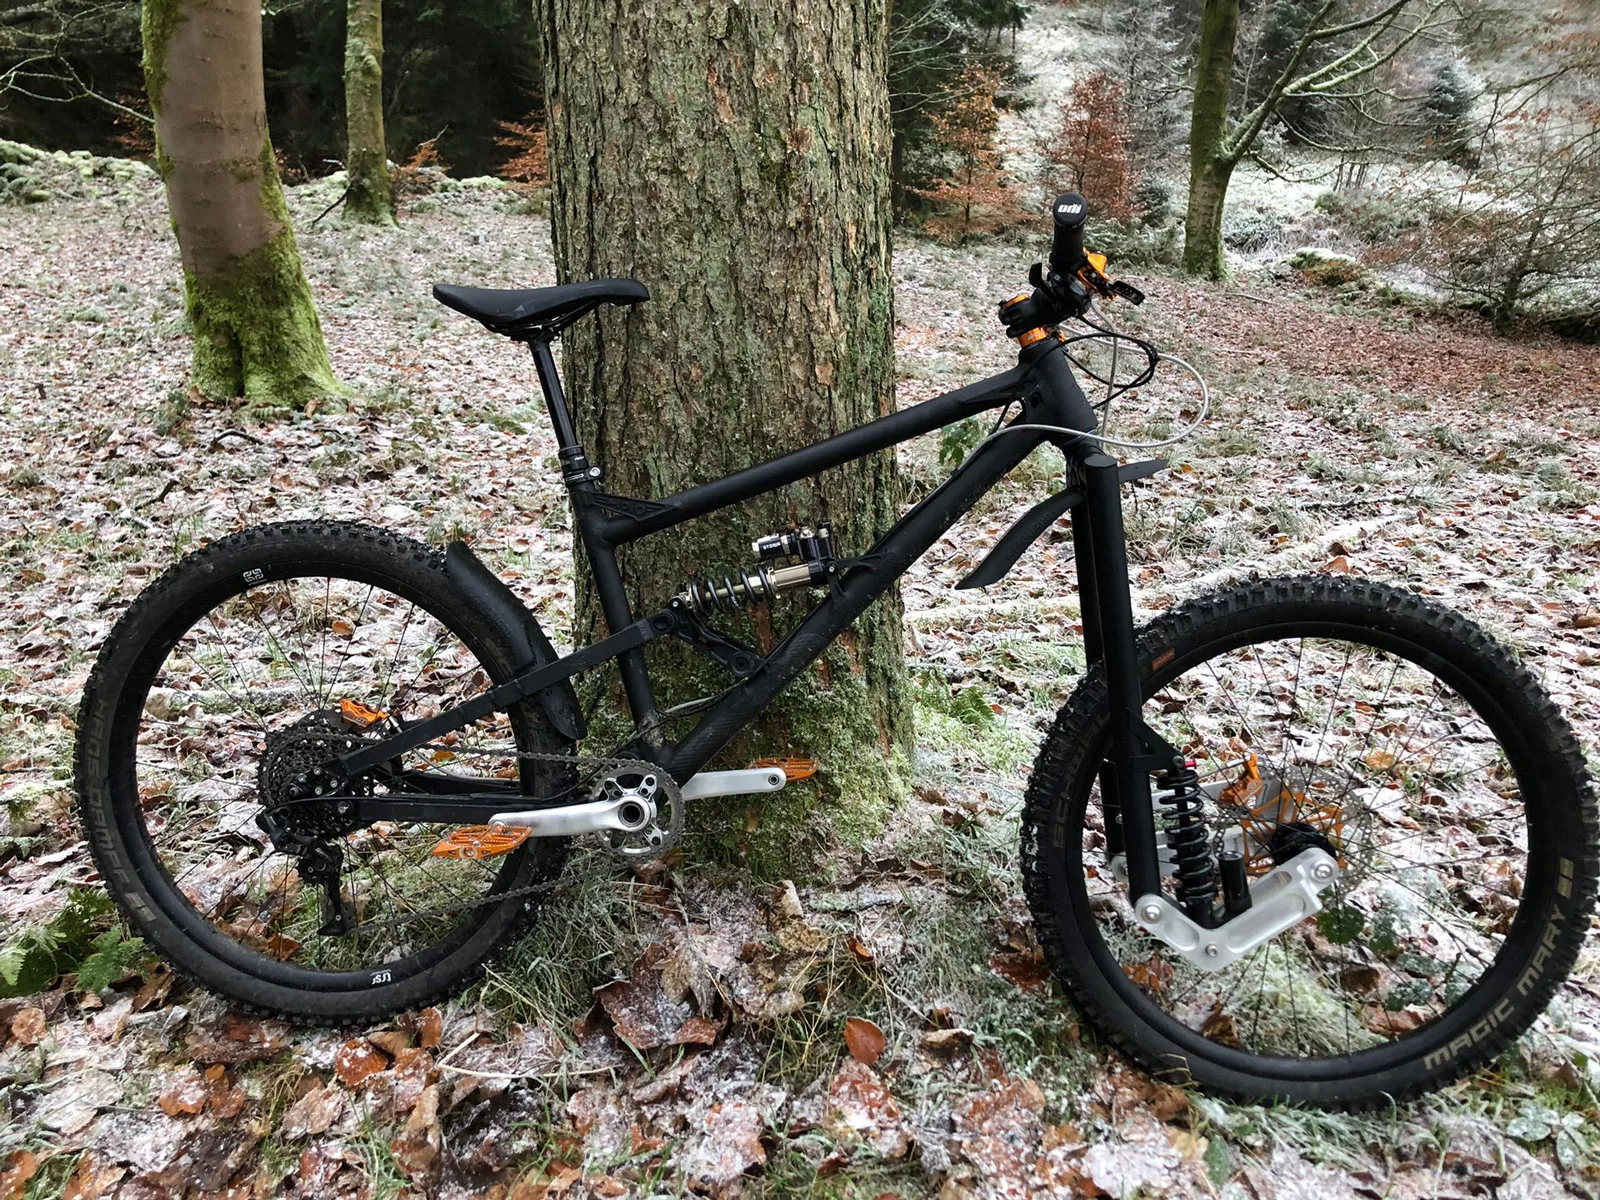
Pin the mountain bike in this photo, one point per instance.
(1311, 838)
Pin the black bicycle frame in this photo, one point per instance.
(1049, 395)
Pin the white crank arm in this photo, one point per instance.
(748, 782)
(625, 814)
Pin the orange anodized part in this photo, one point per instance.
(358, 714)
(1036, 334)
(792, 768)
(482, 841)
(1267, 814)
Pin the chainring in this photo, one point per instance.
(653, 787)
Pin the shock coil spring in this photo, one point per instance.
(1190, 842)
(744, 589)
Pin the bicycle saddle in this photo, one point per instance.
(546, 310)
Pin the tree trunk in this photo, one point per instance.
(1203, 253)
(256, 332)
(734, 157)
(1210, 162)
(370, 197)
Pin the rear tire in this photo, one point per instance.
(124, 825)
(1462, 1027)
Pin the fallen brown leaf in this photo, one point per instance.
(430, 1028)
(28, 1026)
(93, 1178)
(1025, 968)
(186, 1097)
(946, 1041)
(860, 1103)
(864, 1040)
(390, 1041)
(356, 1060)
(312, 1114)
(1221, 1027)
(21, 1166)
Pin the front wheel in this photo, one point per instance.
(1397, 736)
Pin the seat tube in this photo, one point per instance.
(1131, 764)
(580, 479)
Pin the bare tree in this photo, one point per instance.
(48, 47)
(256, 332)
(1361, 42)
(1525, 226)
(370, 196)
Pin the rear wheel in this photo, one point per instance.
(243, 667)
(1360, 719)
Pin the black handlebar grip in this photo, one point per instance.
(1066, 253)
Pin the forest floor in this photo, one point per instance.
(1421, 449)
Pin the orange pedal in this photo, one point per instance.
(358, 714)
(482, 841)
(792, 768)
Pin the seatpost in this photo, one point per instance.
(581, 480)
(575, 468)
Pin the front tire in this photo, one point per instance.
(1396, 995)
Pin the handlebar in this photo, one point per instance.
(1066, 252)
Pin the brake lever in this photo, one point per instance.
(1127, 291)
(1093, 274)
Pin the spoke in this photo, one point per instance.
(381, 698)
(349, 643)
(1244, 725)
(1333, 706)
(275, 645)
(324, 699)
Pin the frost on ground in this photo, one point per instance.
(673, 1031)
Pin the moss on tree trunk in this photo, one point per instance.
(256, 332)
(1211, 159)
(735, 158)
(1203, 252)
(370, 197)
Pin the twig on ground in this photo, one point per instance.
(166, 489)
(238, 433)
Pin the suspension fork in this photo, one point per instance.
(1100, 546)
(1094, 653)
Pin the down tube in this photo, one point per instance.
(906, 542)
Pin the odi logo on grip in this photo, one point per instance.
(1526, 982)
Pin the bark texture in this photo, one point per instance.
(1211, 161)
(734, 157)
(256, 332)
(370, 198)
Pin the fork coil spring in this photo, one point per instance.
(1190, 843)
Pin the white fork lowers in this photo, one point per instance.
(1279, 900)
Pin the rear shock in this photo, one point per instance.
(1189, 840)
(746, 589)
